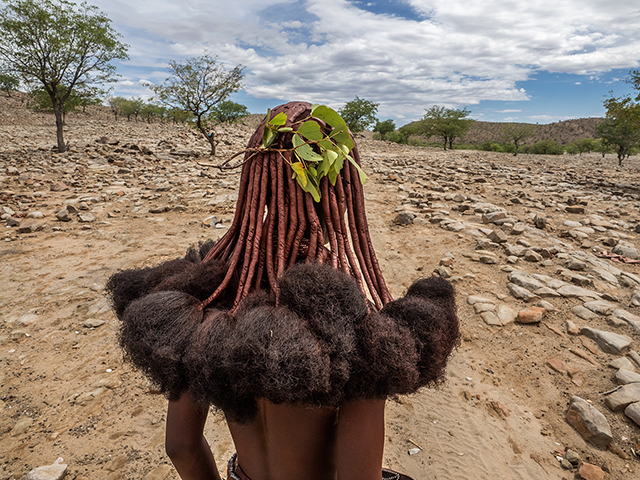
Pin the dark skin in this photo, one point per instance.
(284, 441)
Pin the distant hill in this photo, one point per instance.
(562, 132)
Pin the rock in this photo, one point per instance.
(404, 218)
(573, 264)
(93, 323)
(524, 280)
(473, 299)
(491, 217)
(116, 463)
(589, 422)
(546, 292)
(531, 315)
(159, 473)
(506, 314)
(628, 317)
(622, 362)
(586, 470)
(633, 412)
(608, 341)
(532, 256)
(59, 187)
(86, 218)
(540, 222)
(571, 327)
(55, 471)
(572, 457)
(21, 426)
(626, 251)
(522, 293)
(624, 377)
(498, 236)
(488, 259)
(518, 229)
(483, 307)
(558, 365)
(546, 305)
(29, 226)
(601, 307)
(63, 215)
(583, 313)
(12, 222)
(571, 291)
(491, 318)
(36, 215)
(626, 395)
(575, 209)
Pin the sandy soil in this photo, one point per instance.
(67, 392)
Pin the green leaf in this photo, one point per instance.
(328, 115)
(268, 137)
(304, 151)
(285, 129)
(311, 188)
(298, 169)
(324, 166)
(311, 131)
(333, 175)
(341, 136)
(279, 119)
(331, 155)
(361, 174)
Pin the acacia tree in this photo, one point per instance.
(359, 114)
(517, 133)
(228, 112)
(8, 83)
(620, 130)
(197, 86)
(383, 128)
(59, 46)
(446, 123)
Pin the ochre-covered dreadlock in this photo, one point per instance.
(276, 224)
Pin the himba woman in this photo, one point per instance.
(286, 325)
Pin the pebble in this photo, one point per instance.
(93, 323)
(633, 412)
(55, 471)
(588, 471)
(624, 377)
(531, 315)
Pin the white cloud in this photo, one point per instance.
(458, 53)
(509, 111)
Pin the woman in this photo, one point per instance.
(276, 330)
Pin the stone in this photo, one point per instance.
(498, 236)
(55, 471)
(22, 425)
(483, 307)
(626, 251)
(575, 209)
(12, 222)
(93, 323)
(622, 362)
(540, 222)
(624, 377)
(518, 229)
(546, 292)
(522, 293)
(626, 395)
(583, 313)
(491, 217)
(573, 264)
(558, 365)
(404, 218)
(571, 291)
(608, 341)
(488, 259)
(491, 318)
(86, 218)
(63, 215)
(473, 299)
(601, 307)
(506, 314)
(35, 215)
(59, 187)
(29, 226)
(588, 471)
(116, 463)
(210, 221)
(589, 422)
(524, 280)
(515, 250)
(633, 412)
(532, 256)
(531, 315)
(628, 317)
(572, 457)
(546, 305)
(571, 327)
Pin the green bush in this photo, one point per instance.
(546, 147)
(491, 147)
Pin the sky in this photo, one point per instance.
(528, 61)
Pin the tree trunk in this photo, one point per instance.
(58, 111)
(444, 145)
(451, 143)
(210, 137)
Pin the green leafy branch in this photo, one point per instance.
(317, 154)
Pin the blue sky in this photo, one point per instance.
(504, 60)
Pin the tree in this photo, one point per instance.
(383, 128)
(8, 83)
(40, 100)
(115, 103)
(583, 145)
(197, 86)
(60, 46)
(620, 130)
(546, 147)
(446, 123)
(359, 114)
(516, 133)
(228, 112)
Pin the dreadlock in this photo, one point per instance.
(277, 225)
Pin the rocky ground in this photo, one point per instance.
(542, 252)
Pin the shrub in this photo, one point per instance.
(546, 147)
